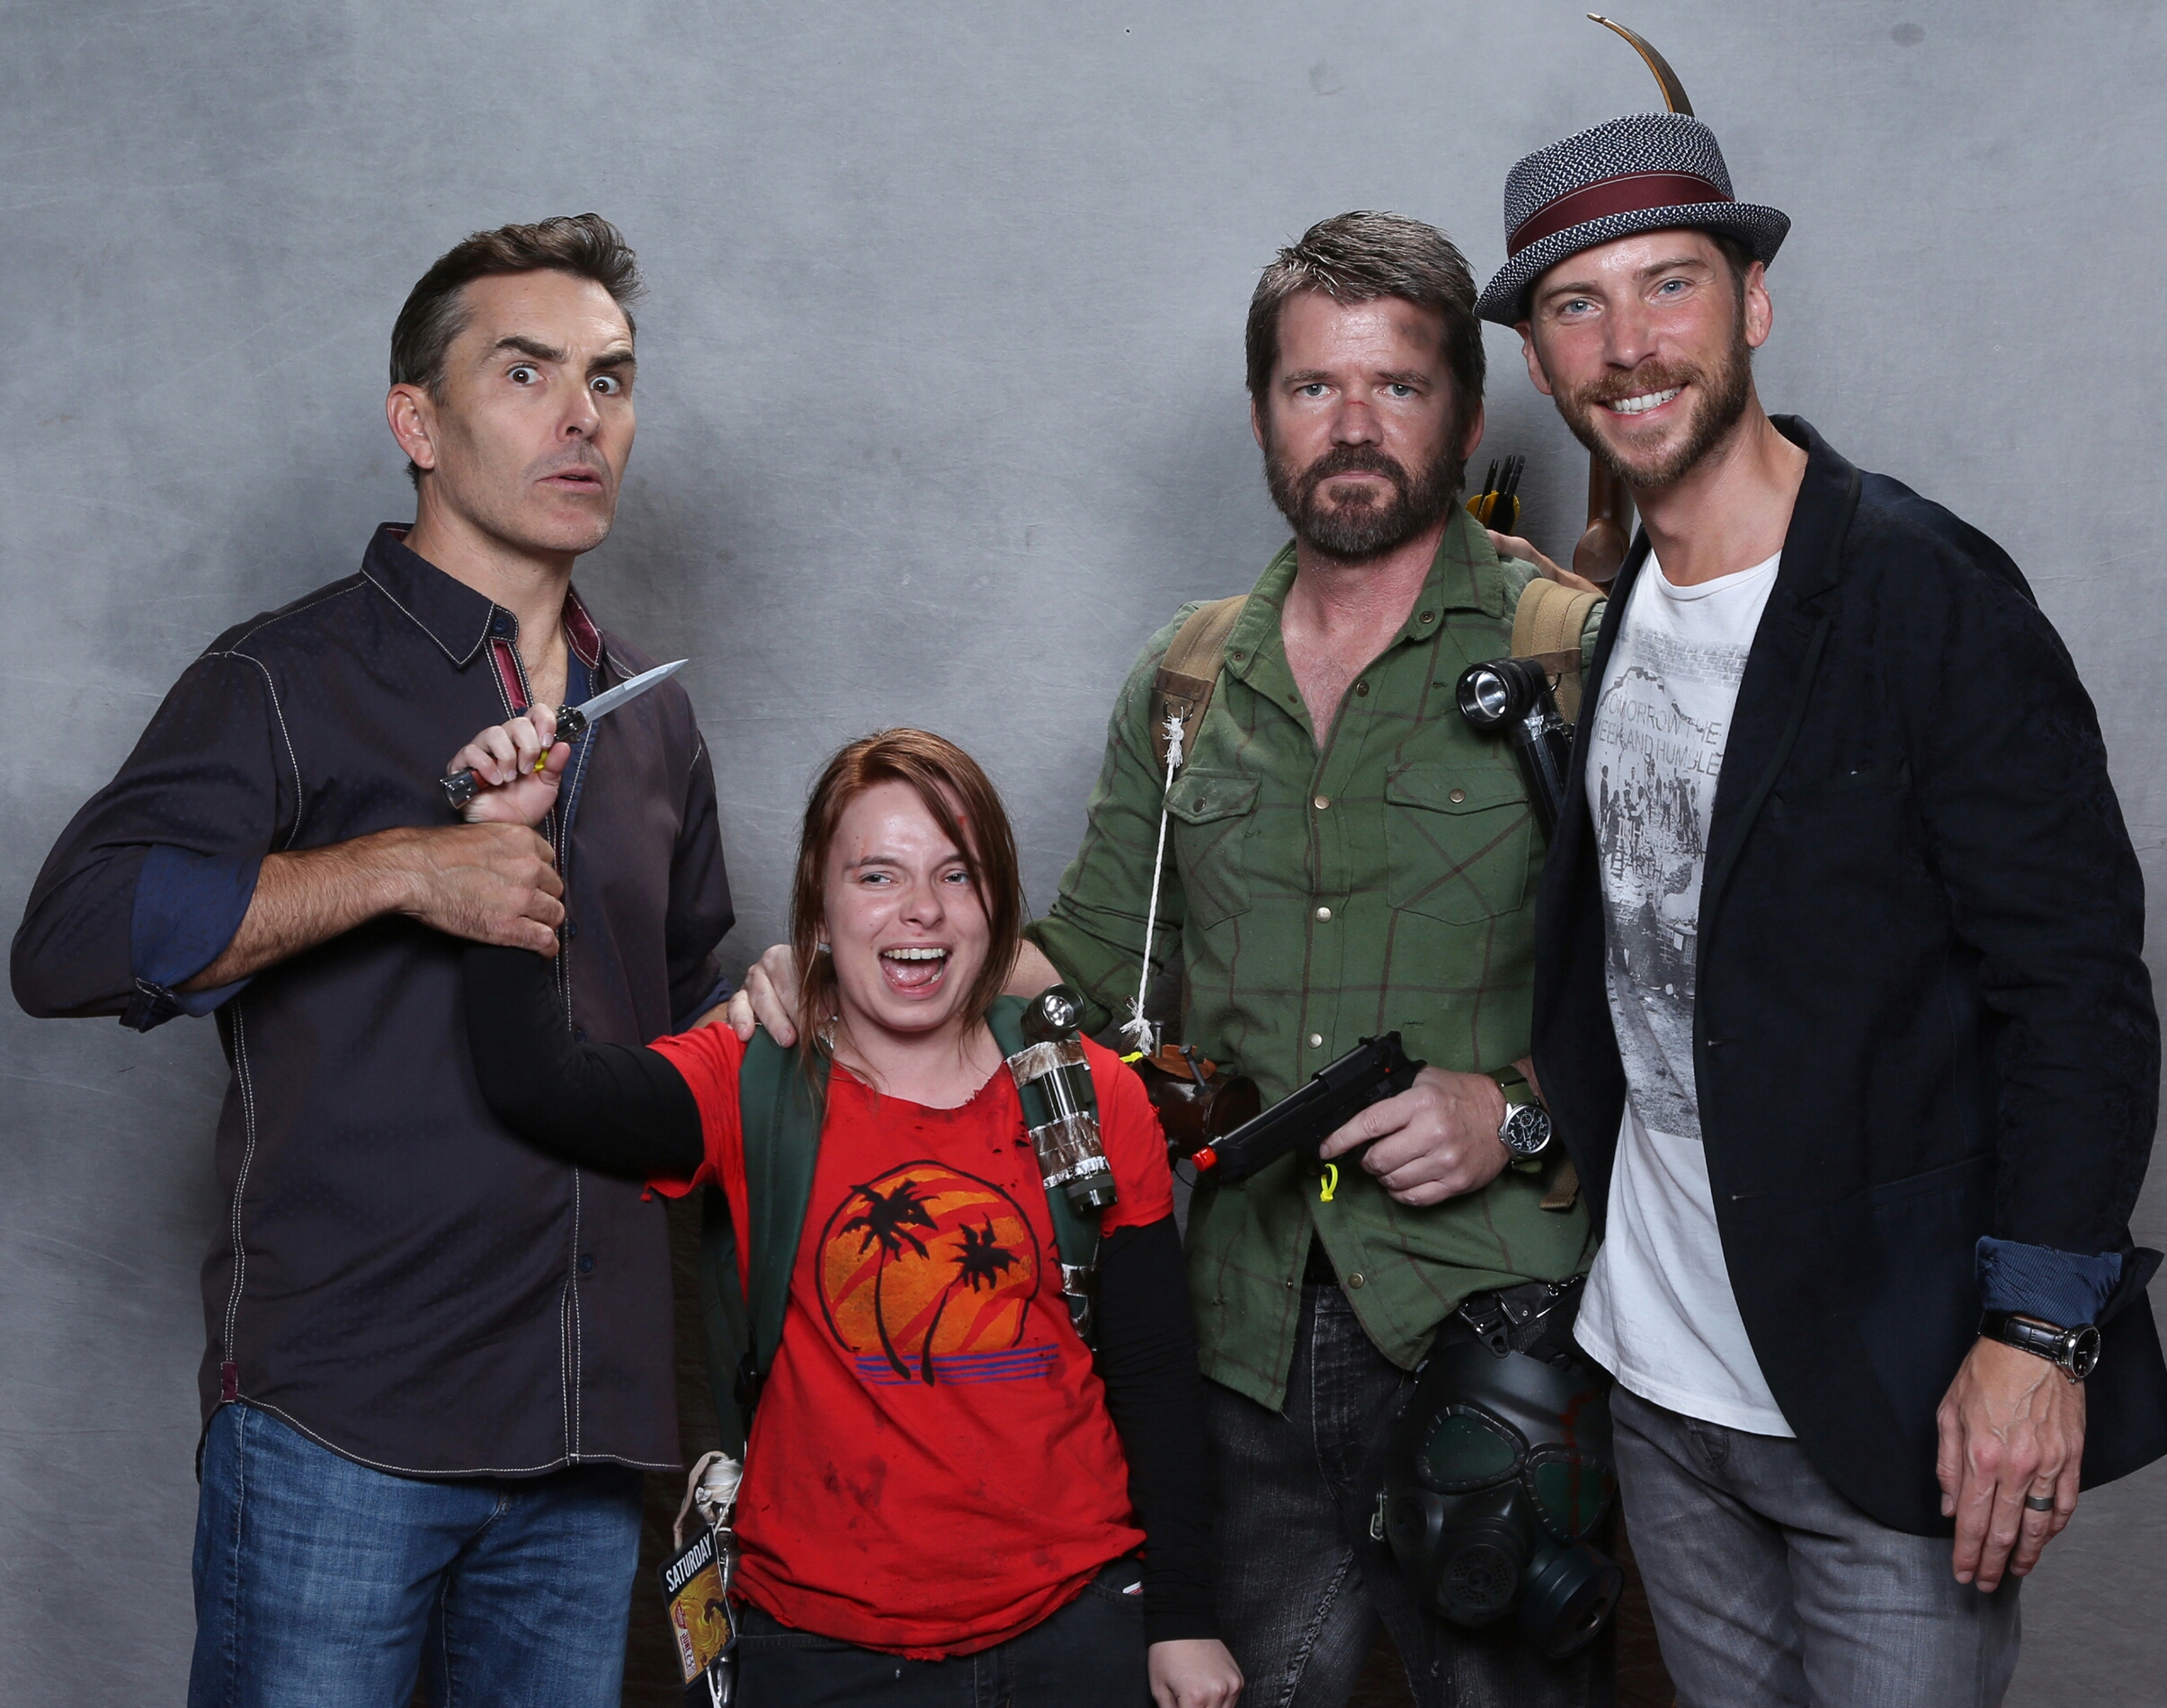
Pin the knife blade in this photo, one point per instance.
(571, 722)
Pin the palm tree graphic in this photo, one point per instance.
(888, 1219)
(980, 1260)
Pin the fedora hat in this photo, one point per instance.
(1646, 171)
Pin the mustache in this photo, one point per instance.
(1354, 459)
(1650, 376)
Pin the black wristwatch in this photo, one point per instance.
(2076, 1350)
(1526, 1130)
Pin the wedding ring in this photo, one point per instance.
(2039, 1503)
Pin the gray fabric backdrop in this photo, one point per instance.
(942, 413)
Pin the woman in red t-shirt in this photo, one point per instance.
(943, 1493)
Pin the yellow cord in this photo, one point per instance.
(1329, 1184)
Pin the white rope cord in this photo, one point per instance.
(1141, 1033)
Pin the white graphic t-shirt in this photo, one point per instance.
(1659, 1313)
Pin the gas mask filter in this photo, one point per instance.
(1499, 1473)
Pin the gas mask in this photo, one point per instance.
(1499, 1472)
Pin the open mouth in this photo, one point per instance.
(915, 971)
(1642, 404)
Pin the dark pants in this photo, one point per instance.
(1088, 1655)
(1303, 1584)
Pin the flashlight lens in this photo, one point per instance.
(1491, 694)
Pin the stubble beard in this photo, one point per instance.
(1362, 529)
(1720, 395)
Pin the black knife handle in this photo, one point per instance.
(462, 786)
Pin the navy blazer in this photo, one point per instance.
(1922, 1010)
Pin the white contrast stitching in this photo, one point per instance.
(557, 1464)
(242, 1078)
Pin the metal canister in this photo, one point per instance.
(1060, 1109)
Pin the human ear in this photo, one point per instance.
(1760, 307)
(412, 415)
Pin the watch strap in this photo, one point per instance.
(2076, 1350)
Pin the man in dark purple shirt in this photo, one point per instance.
(437, 1361)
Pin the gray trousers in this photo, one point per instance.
(1302, 1585)
(1770, 1587)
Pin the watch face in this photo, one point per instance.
(2083, 1355)
(1527, 1129)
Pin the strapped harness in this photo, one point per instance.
(780, 1105)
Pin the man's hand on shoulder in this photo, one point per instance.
(1436, 1140)
(1513, 546)
(2011, 1425)
(767, 998)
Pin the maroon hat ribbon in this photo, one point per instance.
(1629, 193)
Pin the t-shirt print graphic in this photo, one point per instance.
(1653, 793)
(926, 1275)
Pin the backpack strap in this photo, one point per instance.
(1548, 624)
(778, 1107)
(1190, 669)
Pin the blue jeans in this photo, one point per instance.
(1090, 1654)
(322, 1584)
(1769, 1587)
(1303, 1584)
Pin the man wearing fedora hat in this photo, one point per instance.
(1840, 1007)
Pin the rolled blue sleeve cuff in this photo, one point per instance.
(2061, 1287)
(720, 993)
(188, 907)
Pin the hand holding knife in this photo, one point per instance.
(571, 722)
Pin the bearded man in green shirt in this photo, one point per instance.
(1345, 858)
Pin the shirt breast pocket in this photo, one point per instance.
(1457, 842)
(1213, 814)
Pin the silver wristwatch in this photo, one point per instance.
(1527, 1129)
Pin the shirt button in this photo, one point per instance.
(501, 624)
(586, 1263)
(1427, 617)
(1317, 1040)
(1324, 912)
(1362, 688)
(1321, 802)
(1458, 794)
(1355, 1280)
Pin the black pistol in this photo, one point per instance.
(1375, 1069)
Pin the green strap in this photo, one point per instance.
(781, 1107)
(778, 1107)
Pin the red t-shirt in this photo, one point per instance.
(932, 1468)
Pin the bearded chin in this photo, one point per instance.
(1366, 529)
(1722, 398)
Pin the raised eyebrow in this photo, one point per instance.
(519, 345)
(611, 361)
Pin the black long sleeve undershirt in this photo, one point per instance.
(627, 1112)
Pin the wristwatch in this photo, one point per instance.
(1526, 1130)
(2076, 1350)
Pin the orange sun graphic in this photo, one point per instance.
(925, 1263)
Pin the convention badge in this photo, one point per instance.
(696, 1587)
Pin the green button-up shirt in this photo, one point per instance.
(1385, 883)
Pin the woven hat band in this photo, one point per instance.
(1629, 193)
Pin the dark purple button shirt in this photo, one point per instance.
(397, 1275)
